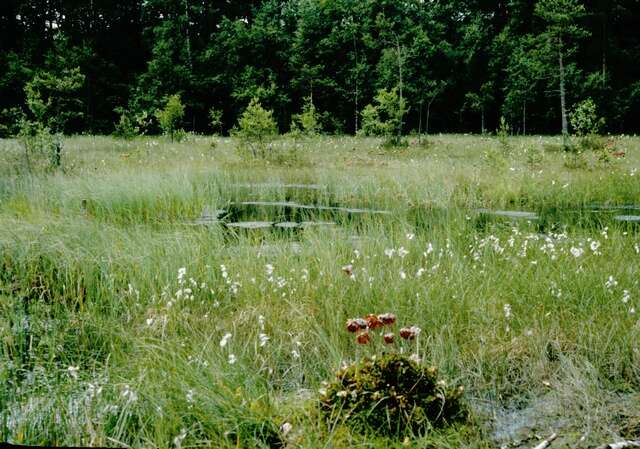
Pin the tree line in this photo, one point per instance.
(456, 65)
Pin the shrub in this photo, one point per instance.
(503, 135)
(385, 118)
(584, 119)
(308, 122)
(392, 395)
(215, 119)
(255, 130)
(42, 150)
(170, 117)
(10, 122)
(125, 128)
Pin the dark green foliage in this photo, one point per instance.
(256, 129)
(392, 395)
(494, 58)
(170, 117)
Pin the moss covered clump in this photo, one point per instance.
(392, 395)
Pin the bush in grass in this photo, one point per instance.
(125, 128)
(170, 117)
(587, 127)
(256, 130)
(308, 122)
(215, 119)
(385, 117)
(502, 133)
(392, 395)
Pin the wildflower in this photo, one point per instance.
(264, 339)
(190, 396)
(73, 371)
(354, 325)
(177, 441)
(348, 269)
(129, 394)
(389, 253)
(363, 338)
(626, 296)
(420, 272)
(410, 236)
(232, 359)
(295, 354)
(594, 246)
(507, 311)
(285, 429)
(225, 339)
(149, 321)
(429, 250)
(415, 358)
(402, 252)
(388, 338)
(403, 275)
(342, 394)
(611, 282)
(409, 333)
(261, 321)
(269, 269)
(181, 272)
(387, 318)
(576, 252)
(373, 322)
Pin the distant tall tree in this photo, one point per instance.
(561, 19)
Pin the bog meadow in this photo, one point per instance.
(320, 224)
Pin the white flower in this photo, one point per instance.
(261, 321)
(594, 246)
(295, 354)
(264, 339)
(415, 357)
(190, 396)
(232, 359)
(285, 428)
(626, 296)
(403, 275)
(269, 269)
(410, 236)
(507, 311)
(429, 250)
(389, 252)
(225, 339)
(149, 321)
(611, 282)
(178, 439)
(402, 252)
(576, 252)
(73, 371)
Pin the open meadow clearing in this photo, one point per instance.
(161, 294)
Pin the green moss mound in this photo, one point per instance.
(392, 395)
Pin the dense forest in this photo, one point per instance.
(460, 64)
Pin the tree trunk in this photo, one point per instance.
(563, 106)
(482, 120)
(400, 62)
(420, 123)
(357, 112)
(188, 36)
(524, 118)
(428, 113)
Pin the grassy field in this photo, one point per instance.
(115, 306)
